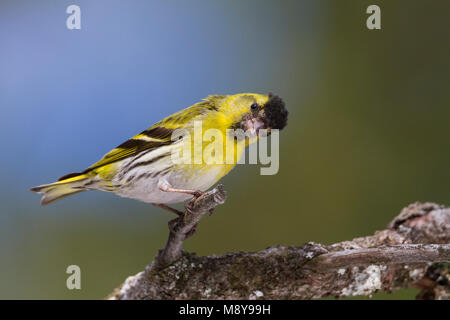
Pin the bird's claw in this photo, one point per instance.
(190, 204)
(197, 194)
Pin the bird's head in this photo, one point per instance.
(252, 112)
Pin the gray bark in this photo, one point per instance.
(413, 251)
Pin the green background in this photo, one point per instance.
(367, 133)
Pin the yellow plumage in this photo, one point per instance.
(142, 167)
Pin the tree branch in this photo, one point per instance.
(413, 251)
(186, 225)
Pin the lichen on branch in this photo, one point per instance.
(413, 251)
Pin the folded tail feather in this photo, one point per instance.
(65, 186)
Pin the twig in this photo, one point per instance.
(402, 253)
(187, 225)
(413, 251)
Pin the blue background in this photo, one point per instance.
(367, 132)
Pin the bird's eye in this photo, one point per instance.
(254, 106)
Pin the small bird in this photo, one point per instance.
(142, 168)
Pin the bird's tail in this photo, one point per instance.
(65, 186)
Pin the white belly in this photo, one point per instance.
(146, 187)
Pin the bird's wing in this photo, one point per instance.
(152, 138)
(160, 134)
(185, 117)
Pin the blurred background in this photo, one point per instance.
(367, 135)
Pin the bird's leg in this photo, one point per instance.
(165, 186)
(166, 207)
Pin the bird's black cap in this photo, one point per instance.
(275, 112)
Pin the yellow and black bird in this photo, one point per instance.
(142, 167)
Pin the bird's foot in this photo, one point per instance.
(190, 204)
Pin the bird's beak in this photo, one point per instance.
(253, 125)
